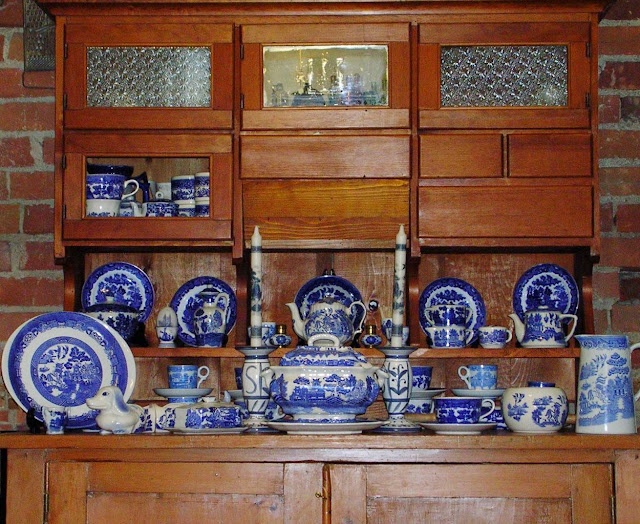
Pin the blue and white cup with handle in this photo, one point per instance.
(187, 376)
(462, 410)
(479, 376)
(449, 336)
(494, 337)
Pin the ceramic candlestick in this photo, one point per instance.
(398, 288)
(256, 290)
(255, 388)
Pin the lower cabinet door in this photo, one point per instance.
(478, 494)
(179, 492)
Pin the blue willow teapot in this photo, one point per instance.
(327, 316)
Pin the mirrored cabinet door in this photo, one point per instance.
(504, 75)
(152, 76)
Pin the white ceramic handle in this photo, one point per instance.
(324, 336)
(203, 373)
(573, 327)
(487, 402)
(358, 303)
(509, 336)
(469, 337)
(129, 183)
(465, 378)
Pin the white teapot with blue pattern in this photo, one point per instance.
(543, 327)
(327, 316)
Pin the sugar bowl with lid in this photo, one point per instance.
(324, 383)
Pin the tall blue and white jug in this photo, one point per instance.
(605, 403)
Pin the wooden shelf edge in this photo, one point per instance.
(509, 352)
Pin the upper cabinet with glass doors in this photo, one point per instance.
(497, 75)
(307, 76)
(148, 76)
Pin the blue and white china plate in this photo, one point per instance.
(61, 359)
(127, 283)
(479, 393)
(182, 392)
(319, 428)
(319, 287)
(186, 302)
(451, 290)
(458, 429)
(546, 285)
(429, 393)
(208, 431)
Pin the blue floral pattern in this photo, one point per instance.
(105, 186)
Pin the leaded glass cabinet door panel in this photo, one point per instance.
(155, 76)
(308, 76)
(525, 75)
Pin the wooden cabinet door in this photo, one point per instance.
(167, 493)
(129, 75)
(161, 156)
(306, 76)
(496, 75)
(479, 493)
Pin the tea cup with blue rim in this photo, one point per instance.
(494, 337)
(479, 376)
(186, 376)
(421, 378)
(462, 410)
(449, 336)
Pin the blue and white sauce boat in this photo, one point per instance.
(327, 316)
(324, 384)
(543, 328)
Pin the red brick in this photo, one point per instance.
(15, 152)
(624, 10)
(620, 181)
(619, 40)
(27, 116)
(39, 256)
(11, 13)
(4, 187)
(619, 252)
(619, 144)
(606, 285)
(609, 109)
(5, 256)
(601, 320)
(629, 287)
(606, 217)
(9, 219)
(4, 415)
(48, 150)
(620, 75)
(38, 219)
(31, 291)
(625, 318)
(11, 86)
(9, 322)
(1, 45)
(16, 47)
(628, 218)
(32, 186)
(630, 109)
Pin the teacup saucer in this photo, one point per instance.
(182, 392)
(458, 429)
(427, 393)
(482, 393)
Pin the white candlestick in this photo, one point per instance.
(256, 289)
(398, 288)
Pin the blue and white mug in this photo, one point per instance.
(421, 378)
(202, 185)
(55, 419)
(479, 376)
(186, 376)
(494, 337)
(183, 187)
(462, 410)
(449, 336)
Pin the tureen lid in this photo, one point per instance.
(312, 355)
(111, 306)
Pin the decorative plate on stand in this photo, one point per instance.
(62, 359)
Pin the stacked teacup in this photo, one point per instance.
(184, 383)
(420, 398)
(448, 325)
(106, 187)
(482, 381)
(183, 193)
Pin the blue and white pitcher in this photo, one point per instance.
(605, 403)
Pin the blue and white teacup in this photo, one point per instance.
(183, 187)
(109, 186)
(494, 337)
(55, 419)
(479, 376)
(449, 336)
(186, 376)
(421, 378)
(448, 315)
(202, 185)
(462, 410)
(187, 210)
(419, 406)
(387, 324)
(202, 207)
(268, 330)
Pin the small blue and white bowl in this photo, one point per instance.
(121, 317)
(535, 410)
(419, 406)
(161, 208)
(421, 378)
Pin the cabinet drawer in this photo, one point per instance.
(332, 212)
(331, 76)
(531, 211)
(553, 154)
(325, 157)
(460, 155)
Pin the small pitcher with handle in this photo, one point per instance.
(605, 403)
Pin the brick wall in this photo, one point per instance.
(30, 283)
(617, 277)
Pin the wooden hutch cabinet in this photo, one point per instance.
(328, 124)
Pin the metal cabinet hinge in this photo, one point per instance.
(64, 162)
(587, 100)
(241, 101)
(64, 211)
(66, 50)
(64, 101)
(241, 51)
(588, 49)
